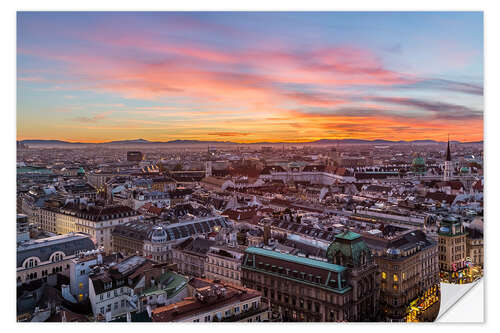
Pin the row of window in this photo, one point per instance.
(34, 275)
(122, 304)
(116, 293)
(223, 272)
(223, 263)
(229, 312)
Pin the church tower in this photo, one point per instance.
(448, 168)
(208, 163)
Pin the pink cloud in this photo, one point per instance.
(189, 74)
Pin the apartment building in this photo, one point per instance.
(452, 239)
(37, 259)
(215, 302)
(223, 263)
(408, 266)
(96, 221)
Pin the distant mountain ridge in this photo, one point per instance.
(320, 142)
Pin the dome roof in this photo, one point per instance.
(351, 246)
(418, 161)
(158, 235)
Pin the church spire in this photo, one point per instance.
(448, 152)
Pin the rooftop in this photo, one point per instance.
(296, 259)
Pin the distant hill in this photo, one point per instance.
(193, 142)
(127, 142)
(50, 142)
(200, 142)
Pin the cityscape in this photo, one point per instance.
(247, 167)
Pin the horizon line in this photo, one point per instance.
(236, 142)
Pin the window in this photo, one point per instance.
(207, 318)
(237, 309)
(384, 275)
(395, 277)
(245, 307)
(116, 305)
(101, 296)
(228, 313)
(122, 303)
(102, 310)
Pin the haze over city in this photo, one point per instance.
(249, 77)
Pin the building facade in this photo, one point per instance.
(409, 269)
(215, 302)
(452, 250)
(191, 255)
(96, 221)
(37, 259)
(304, 289)
(223, 263)
(117, 290)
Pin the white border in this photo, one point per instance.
(492, 86)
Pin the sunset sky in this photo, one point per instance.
(249, 77)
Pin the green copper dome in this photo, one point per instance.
(418, 165)
(418, 161)
(348, 249)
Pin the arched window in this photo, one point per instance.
(31, 262)
(57, 256)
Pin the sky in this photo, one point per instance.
(249, 76)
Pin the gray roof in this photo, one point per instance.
(69, 244)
